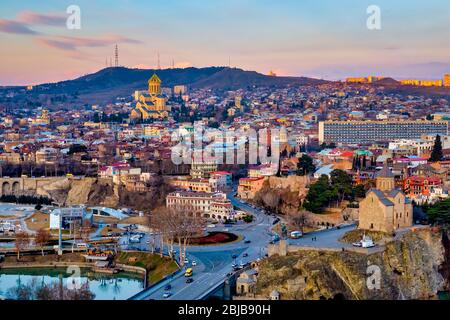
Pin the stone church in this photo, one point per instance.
(150, 104)
(385, 208)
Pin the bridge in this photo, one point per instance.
(24, 185)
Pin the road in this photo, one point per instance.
(215, 262)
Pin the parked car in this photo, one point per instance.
(168, 287)
(245, 255)
(189, 280)
(167, 295)
(296, 234)
(194, 263)
(247, 241)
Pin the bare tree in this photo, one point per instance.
(298, 220)
(42, 238)
(176, 225)
(22, 241)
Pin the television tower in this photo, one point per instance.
(159, 62)
(116, 53)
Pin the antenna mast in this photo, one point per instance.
(116, 56)
(159, 62)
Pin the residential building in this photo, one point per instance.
(360, 132)
(209, 205)
(248, 187)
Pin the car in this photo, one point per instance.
(186, 261)
(247, 241)
(211, 225)
(189, 280)
(194, 263)
(147, 242)
(234, 256)
(245, 255)
(168, 287)
(167, 295)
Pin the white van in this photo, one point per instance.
(296, 234)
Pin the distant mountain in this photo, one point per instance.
(107, 84)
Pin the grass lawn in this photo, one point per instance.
(135, 220)
(48, 258)
(105, 219)
(38, 220)
(157, 267)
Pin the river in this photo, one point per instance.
(105, 287)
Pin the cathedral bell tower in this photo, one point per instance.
(385, 180)
(154, 85)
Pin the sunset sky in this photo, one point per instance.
(318, 38)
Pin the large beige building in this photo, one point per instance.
(385, 208)
(372, 131)
(209, 205)
(151, 105)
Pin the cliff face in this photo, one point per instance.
(409, 268)
(102, 192)
(283, 195)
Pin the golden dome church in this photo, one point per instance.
(150, 104)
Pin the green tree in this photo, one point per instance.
(342, 183)
(437, 154)
(439, 212)
(319, 195)
(305, 165)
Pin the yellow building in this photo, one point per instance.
(447, 80)
(151, 105)
(356, 80)
(422, 83)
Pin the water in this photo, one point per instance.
(444, 295)
(105, 287)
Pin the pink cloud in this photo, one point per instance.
(73, 43)
(49, 19)
(14, 27)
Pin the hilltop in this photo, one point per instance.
(107, 84)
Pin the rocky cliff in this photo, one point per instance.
(409, 268)
(102, 192)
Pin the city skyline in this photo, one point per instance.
(327, 41)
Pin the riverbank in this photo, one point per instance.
(151, 267)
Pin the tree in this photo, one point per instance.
(298, 220)
(22, 240)
(439, 212)
(437, 154)
(342, 183)
(176, 225)
(42, 238)
(318, 196)
(305, 165)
